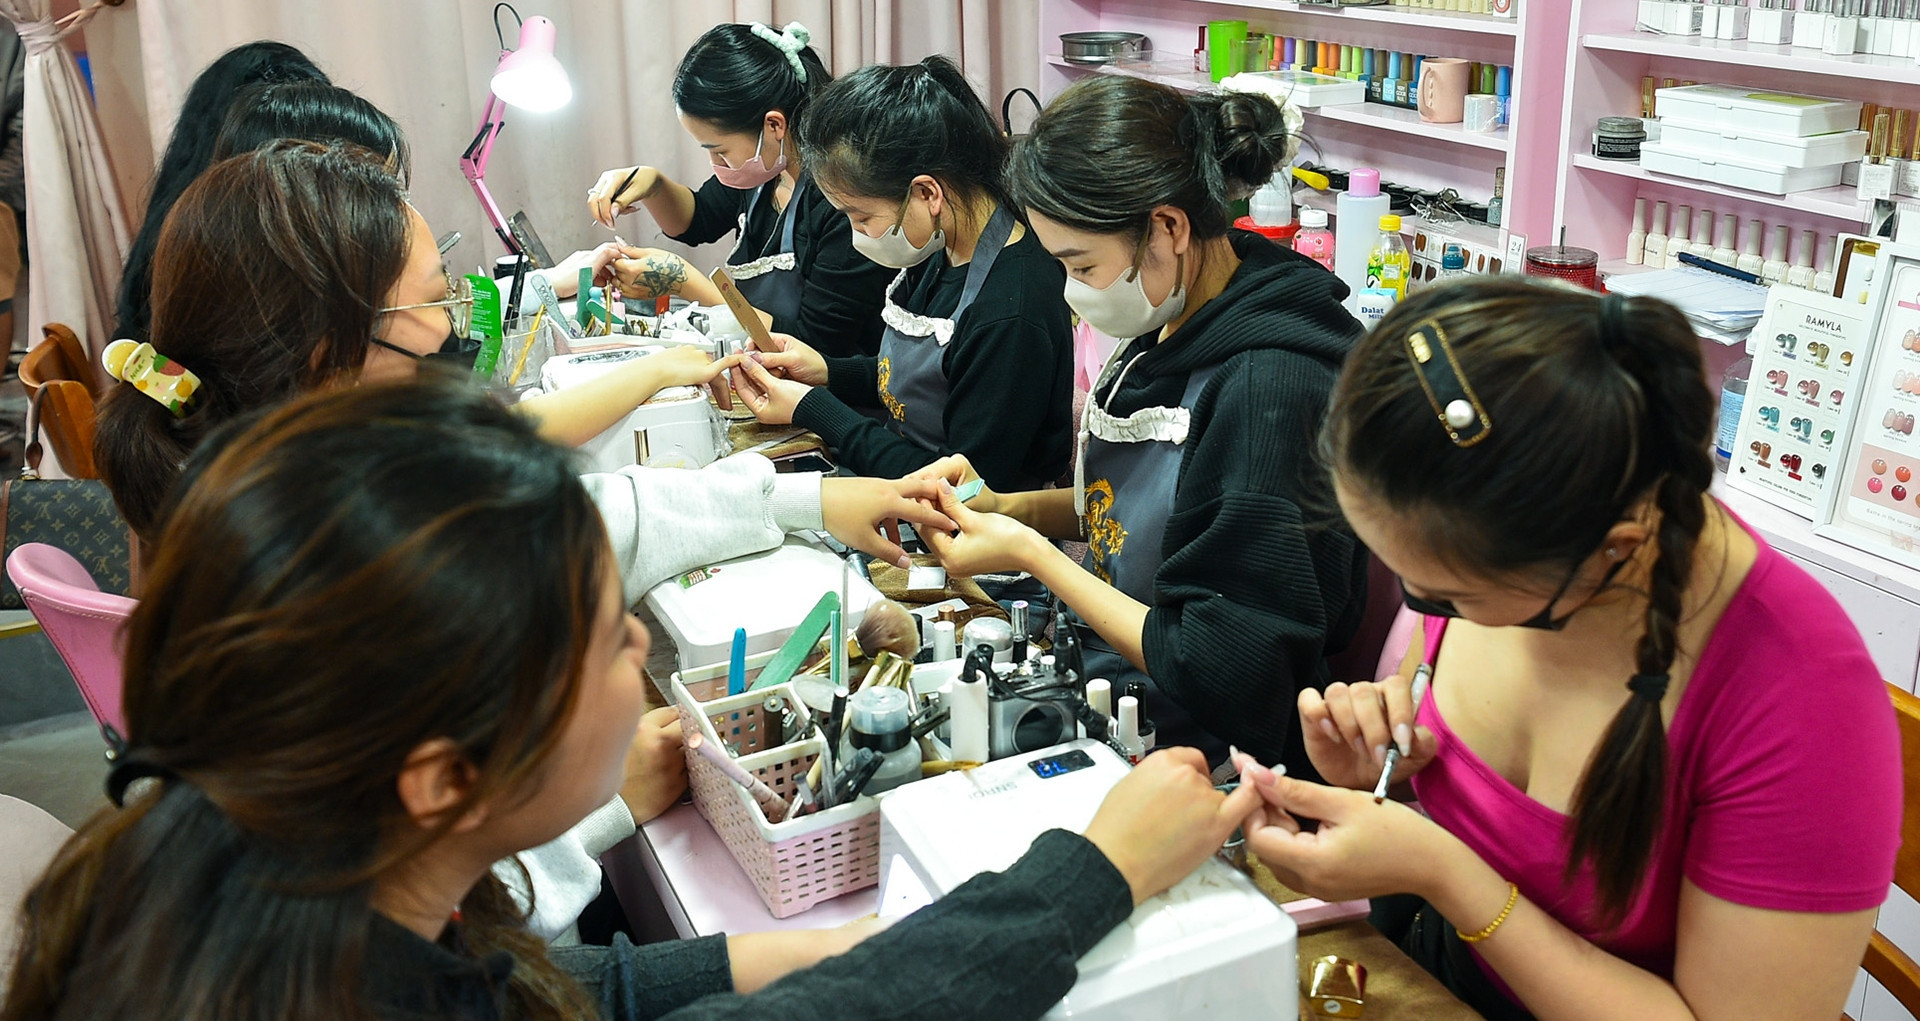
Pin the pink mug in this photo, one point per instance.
(1443, 90)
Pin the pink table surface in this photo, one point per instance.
(704, 891)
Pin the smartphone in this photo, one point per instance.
(529, 242)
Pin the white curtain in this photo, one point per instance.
(427, 62)
(77, 232)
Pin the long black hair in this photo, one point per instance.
(190, 152)
(311, 111)
(1598, 405)
(876, 129)
(1108, 150)
(734, 78)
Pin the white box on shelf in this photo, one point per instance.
(1809, 29)
(1683, 18)
(1772, 178)
(1772, 26)
(1757, 110)
(1733, 22)
(1786, 150)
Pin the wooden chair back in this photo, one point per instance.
(1888, 964)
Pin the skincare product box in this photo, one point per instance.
(1772, 178)
(1731, 108)
(1787, 150)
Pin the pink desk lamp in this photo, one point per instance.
(529, 77)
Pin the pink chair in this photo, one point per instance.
(82, 622)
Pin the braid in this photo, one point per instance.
(1619, 805)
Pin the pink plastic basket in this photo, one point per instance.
(794, 864)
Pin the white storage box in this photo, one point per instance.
(768, 593)
(1796, 152)
(1211, 947)
(1772, 178)
(1730, 108)
(682, 428)
(1301, 88)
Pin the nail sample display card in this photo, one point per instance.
(1874, 500)
(1806, 350)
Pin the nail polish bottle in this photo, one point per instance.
(1637, 237)
(1701, 247)
(1810, 24)
(1750, 261)
(1503, 88)
(1677, 237)
(1801, 275)
(1657, 237)
(1823, 268)
(1842, 38)
(1771, 22)
(1723, 242)
(1775, 268)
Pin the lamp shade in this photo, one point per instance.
(530, 77)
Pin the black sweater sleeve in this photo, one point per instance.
(1002, 947)
(1254, 574)
(1000, 385)
(716, 213)
(842, 291)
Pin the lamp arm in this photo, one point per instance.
(473, 165)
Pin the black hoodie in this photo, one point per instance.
(1259, 578)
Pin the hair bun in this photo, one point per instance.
(1253, 136)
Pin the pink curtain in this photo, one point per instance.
(427, 63)
(77, 230)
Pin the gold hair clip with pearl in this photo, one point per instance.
(1457, 406)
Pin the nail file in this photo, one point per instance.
(744, 312)
(737, 664)
(779, 669)
(969, 490)
(543, 290)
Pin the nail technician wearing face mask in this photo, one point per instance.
(1216, 572)
(740, 92)
(977, 358)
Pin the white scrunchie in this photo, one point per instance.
(790, 41)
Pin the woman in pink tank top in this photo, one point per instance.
(1660, 775)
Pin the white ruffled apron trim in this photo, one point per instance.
(911, 324)
(782, 261)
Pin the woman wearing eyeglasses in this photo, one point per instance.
(740, 91)
(301, 267)
(1217, 574)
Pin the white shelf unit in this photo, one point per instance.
(1745, 54)
(1429, 157)
(1839, 203)
(1374, 115)
(1437, 21)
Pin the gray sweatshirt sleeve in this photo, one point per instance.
(664, 521)
(556, 881)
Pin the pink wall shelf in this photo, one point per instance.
(1406, 151)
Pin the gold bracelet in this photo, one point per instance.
(1513, 897)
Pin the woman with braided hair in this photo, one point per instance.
(740, 92)
(1631, 808)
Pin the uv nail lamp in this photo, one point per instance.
(1212, 947)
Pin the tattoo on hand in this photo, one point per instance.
(659, 274)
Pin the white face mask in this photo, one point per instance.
(892, 249)
(1121, 309)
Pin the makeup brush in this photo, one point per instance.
(888, 627)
